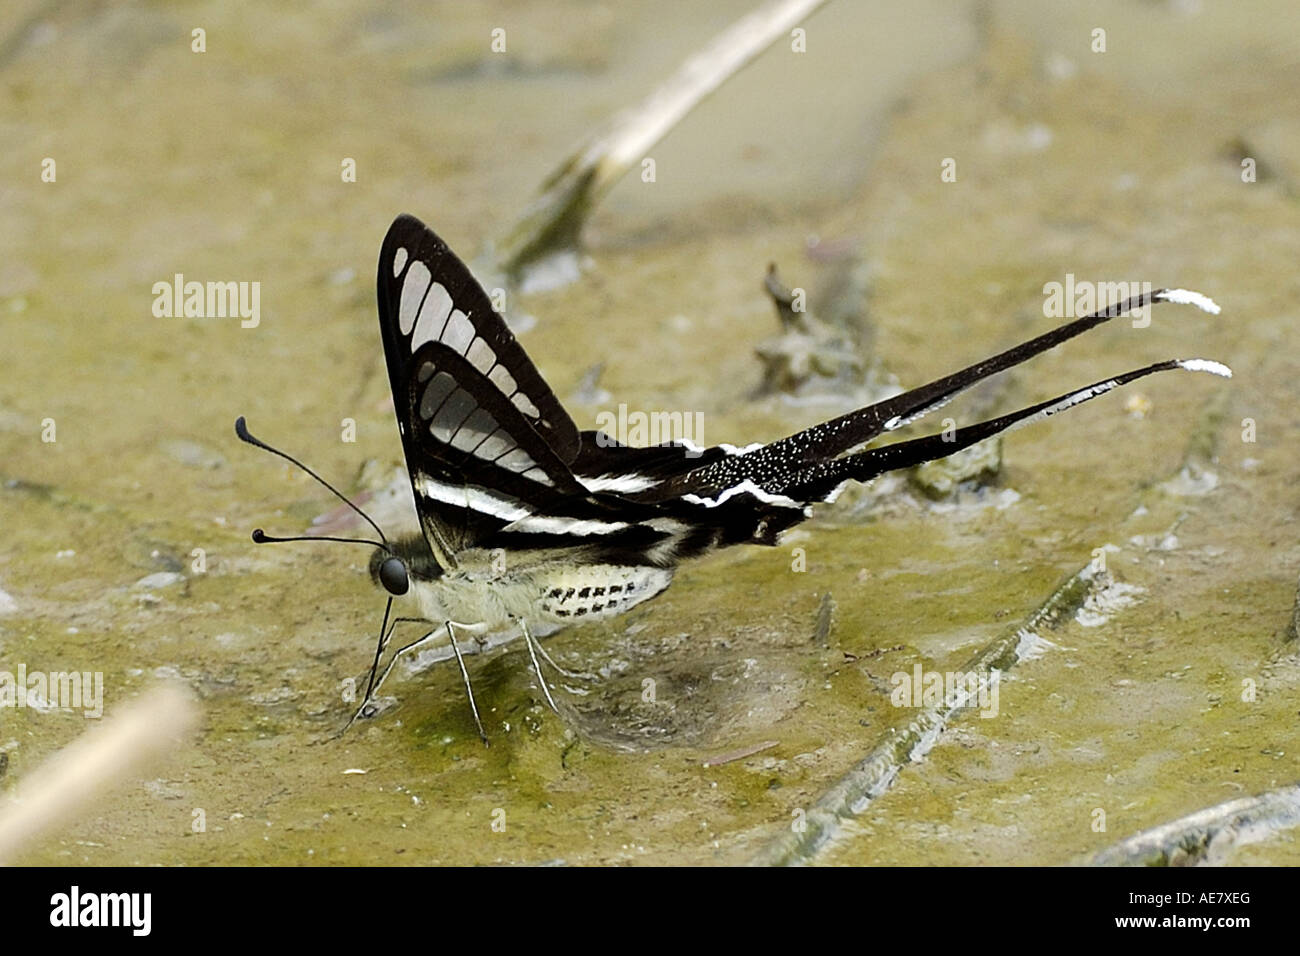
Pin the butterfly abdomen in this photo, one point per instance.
(598, 591)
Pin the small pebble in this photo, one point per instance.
(159, 580)
(192, 454)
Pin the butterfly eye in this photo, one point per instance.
(392, 575)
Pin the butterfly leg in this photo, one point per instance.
(372, 687)
(367, 705)
(468, 689)
(398, 653)
(572, 675)
(385, 635)
(541, 678)
(379, 682)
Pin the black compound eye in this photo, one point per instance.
(392, 575)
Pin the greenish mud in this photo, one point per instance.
(125, 541)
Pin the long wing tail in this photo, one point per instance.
(756, 510)
(700, 499)
(788, 462)
(820, 482)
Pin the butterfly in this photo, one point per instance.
(528, 521)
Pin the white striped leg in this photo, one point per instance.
(373, 685)
(392, 661)
(469, 690)
(562, 671)
(464, 673)
(541, 678)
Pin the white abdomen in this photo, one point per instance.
(556, 595)
(597, 591)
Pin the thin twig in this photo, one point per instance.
(1206, 835)
(876, 772)
(740, 754)
(554, 220)
(116, 750)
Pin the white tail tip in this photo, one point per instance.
(1205, 365)
(1188, 297)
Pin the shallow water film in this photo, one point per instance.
(1030, 653)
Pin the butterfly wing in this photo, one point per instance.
(486, 441)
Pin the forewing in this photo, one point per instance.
(485, 439)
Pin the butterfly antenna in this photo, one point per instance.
(241, 429)
(261, 537)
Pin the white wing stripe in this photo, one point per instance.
(495, 445)
(620, 483)
(481, 356)
(414, 288)
(546, 524)
(745, 487)
(433, 314)
(477, 499)
(459, 332)
(435, 393)
(503, 380)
